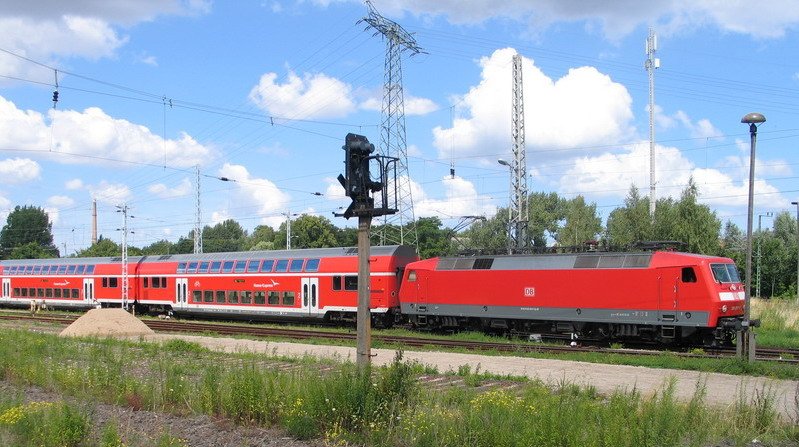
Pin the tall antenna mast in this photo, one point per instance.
(651, 64)
(399, 228)
(519, 218)
(198, 229)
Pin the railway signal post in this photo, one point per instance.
(361, 188)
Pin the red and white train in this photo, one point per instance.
(659, 296)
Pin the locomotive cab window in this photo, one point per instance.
(725, 273)
(688, 274)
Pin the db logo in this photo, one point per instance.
(529, 291)
(196, 283)
(732, 287)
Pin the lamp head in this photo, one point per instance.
(503, 162)
(753, 118)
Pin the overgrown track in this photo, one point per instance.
(771, 354)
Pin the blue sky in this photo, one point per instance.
(263, 93)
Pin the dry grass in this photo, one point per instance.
(776, 313)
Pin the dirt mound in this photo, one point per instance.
(106, 323)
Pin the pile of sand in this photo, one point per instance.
(106, 323)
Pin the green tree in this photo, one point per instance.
(630, 223)
(546, 211)
(581, 224)
(102, 248)
(25, 225)
(433, 239)
(31, 250)
(309, 231)
(262, 238)
(223, 237)
(162, 247)
(488, 236)
(347, 237)
(696, 224)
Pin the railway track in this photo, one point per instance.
(184, 326)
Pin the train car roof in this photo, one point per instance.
(594, 260)
(404, 251)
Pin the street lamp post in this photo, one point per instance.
(797, 247)
(510, 202)
(746, 338)
(758, 291)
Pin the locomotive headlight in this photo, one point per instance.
(724, 308)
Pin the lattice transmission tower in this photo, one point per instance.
(399, 228)
(518, 206)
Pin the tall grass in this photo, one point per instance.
(381, 406)
(779, 319)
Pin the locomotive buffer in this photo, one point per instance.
(360, 187)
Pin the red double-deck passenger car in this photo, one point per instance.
(284, 284)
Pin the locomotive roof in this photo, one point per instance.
(404, 251)
(566, 261)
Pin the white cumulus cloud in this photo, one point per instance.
(613, 19)
(583, 108)
(311, 96)
(60, 201)
(261, 193)
(165, 192)
(18, 170)
(460, 199)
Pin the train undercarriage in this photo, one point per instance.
(724, 335)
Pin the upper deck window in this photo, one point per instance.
(267, 265)
(215, 266)
(282, 265)
(192, 268)
(240, 266)
(725, 273)
(312, 265)
(89, 270)
(252, 266)
(296, 265)
(227, 267)
(71, 270)
(37, 269)
(181, 267)
(203, 268)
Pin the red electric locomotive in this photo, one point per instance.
(285, 284)
(661, 296)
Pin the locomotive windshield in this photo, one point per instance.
(725, 273)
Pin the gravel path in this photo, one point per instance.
(722, 389)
